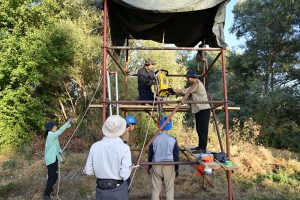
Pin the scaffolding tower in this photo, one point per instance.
(135, 106)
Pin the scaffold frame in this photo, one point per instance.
(224, 103)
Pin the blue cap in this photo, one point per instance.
(168, 126)
(191, 73)
(130, 119)
(49, 126)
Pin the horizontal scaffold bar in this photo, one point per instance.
(166, 108)
(163, 48)
(170, 163)
(171, 75)
(161, 102)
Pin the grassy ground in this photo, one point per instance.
(264, 174)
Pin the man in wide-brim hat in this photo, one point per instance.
(110, 161)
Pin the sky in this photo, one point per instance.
(230, 38)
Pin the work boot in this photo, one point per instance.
(199, 151)
(195, 148)
(46, 197)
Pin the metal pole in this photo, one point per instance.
(109, 92)
(211, 64)
(228, 173)
(104, 61)
(134, 102)
(164, 48)
(117, 92)
(170, 163)
(217, 127)
(117, 63)
(126, 70)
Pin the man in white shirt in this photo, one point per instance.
(110, 161)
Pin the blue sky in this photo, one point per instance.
(230, 38)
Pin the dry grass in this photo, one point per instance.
(264, 174)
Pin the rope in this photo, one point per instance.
(58, 183)
(82, 117)
(137, 165)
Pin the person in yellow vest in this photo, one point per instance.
(53, 154)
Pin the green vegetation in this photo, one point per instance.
(264, 80)
(5, 190)
(50, 54)
(9, 165)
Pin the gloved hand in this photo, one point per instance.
(149, 168)
(70, 120)
(176, 173)
(171, 91)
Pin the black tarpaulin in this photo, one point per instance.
(181, 22)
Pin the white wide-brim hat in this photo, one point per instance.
(114, 126)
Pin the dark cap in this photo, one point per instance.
(149, 61)
(49, 126)
(192, 74)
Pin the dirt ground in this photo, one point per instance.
(26, 179)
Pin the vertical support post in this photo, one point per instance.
(126, 70)
(104, 61)
(228, 173)
(204, 72)
(117, 92)
(109, 92)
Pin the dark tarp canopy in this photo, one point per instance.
(181, 22)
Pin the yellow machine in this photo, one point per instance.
(163, 83)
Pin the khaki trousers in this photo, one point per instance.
(163, 174)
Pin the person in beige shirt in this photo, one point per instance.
(201, 111)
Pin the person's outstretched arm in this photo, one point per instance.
(57, 133)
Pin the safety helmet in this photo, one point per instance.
(130, 119)
(168, 126)
(192, 74)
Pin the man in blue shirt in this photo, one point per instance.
(163, 149)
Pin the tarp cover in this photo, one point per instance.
(181, 22)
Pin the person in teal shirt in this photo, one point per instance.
(53, 154)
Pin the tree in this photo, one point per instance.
(40, 60)
(265, 79)
(272, 32)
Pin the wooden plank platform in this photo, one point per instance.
(148, 108)
(229, 168)
(213, 165)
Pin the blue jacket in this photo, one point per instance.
(52, 147)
